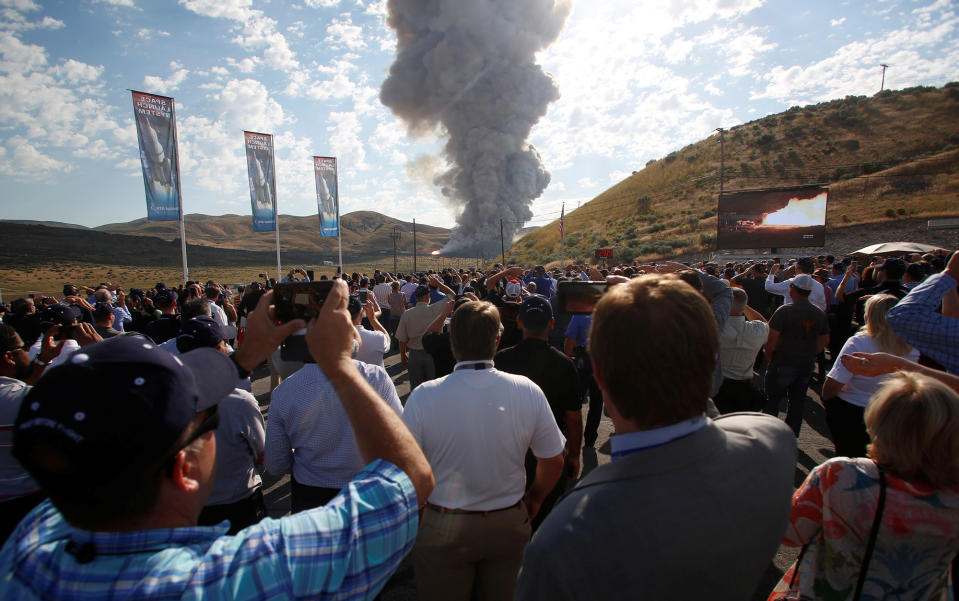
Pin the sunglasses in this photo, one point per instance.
(209, 424)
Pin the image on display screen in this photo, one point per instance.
(772, 218)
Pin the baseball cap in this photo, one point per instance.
(203, 331)
(164, 296)
(102, 309)
(513, 288)
(898, 266)
(535, 310)
(117, 405)
(803, 281)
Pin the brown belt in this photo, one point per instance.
(441, 509)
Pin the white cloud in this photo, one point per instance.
(854, 69)
(75, 72)
(26, 161)
(246, 65)
(51, 23)
(148, 34)
(344, 140)
(237, 10)
(322, 3)
(169, 84)
(246, 104)
(344, 33)
(617, 176)
(127, 3)
(258, 33)
(837, 22)
(21, 5)
(587, 182)
(50, 107)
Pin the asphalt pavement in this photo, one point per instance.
(814, 448)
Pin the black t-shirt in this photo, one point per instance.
(550, 369)
(799, 325)
(164, 328)
(248, 303)
(437, 344)
(755, 289)
(893, 287)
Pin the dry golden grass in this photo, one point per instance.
(16, 283)
(893, 152)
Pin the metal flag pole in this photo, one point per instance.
(339, 226)
(276, 214)
(179, 194)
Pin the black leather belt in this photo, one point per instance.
(441, 509)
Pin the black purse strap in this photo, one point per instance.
(872, 534)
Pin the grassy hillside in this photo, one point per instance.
(366, 231)
(888, 157)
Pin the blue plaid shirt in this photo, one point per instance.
(345, 550)
(915, 320)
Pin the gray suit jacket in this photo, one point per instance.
(696, 518)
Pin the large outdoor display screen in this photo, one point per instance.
(772, 218)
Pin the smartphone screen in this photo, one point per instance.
(579, 297)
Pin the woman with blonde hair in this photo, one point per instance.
(845, 394)
(886, 526)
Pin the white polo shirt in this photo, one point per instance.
(373, 345)
(474, 427)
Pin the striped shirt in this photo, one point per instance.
(345, 550)
(915, 320)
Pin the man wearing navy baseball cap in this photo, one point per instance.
(556, 376)
(120, 438)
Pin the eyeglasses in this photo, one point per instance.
(209, 424)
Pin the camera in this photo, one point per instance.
(362, 294)
(300, 300)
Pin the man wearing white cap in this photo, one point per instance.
(797, 333)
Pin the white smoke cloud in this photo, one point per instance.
(468, 69)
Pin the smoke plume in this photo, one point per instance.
(468, 66)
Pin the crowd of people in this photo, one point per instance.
(132, 450)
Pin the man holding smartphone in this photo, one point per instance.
(413, 325)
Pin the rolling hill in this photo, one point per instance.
(889, 158)
(211, 241)
(364, 232)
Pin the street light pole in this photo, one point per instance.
(722, 158)
(883, 84)
(395, 236)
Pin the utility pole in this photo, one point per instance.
(722, 158)
(883, 84)
(502, 245)
(414, 246)
(395, 236)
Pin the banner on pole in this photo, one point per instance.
(156, 136)
(327, 199)
(260, 169)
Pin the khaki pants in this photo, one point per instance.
(455, 552)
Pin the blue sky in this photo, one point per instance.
(637, 80)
